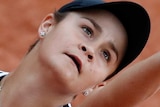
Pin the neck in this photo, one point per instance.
(31, 86)
(25, 94)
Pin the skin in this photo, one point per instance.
(74, 39)
(49, 77)
(131, 87)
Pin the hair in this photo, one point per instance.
(58, 18)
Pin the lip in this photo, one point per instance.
(76, 61)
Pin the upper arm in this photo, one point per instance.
(132, 86)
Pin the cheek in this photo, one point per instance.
(101, 69)
(48, 48)
(45, 54)
(97, 74)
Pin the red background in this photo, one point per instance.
(19, 21)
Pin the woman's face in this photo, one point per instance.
(81, 50)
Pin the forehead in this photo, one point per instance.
(105, 20)
(99, 15)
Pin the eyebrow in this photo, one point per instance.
(114, 48)
(95, 24)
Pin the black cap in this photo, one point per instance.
(134, 18)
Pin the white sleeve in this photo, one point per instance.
(2, 73)
(69, 105)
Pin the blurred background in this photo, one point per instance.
(19, 21)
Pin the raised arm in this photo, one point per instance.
(129, 88)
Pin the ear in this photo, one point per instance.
(94, 88)
(47, 23)
(87, 91)
(100, 85)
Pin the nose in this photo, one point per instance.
(88, 52)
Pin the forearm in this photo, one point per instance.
(130, 87)
(137, 82)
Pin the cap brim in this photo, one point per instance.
(134, 18)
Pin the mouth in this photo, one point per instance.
(76, 61)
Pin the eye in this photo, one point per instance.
(106, 55)
(88, 31)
